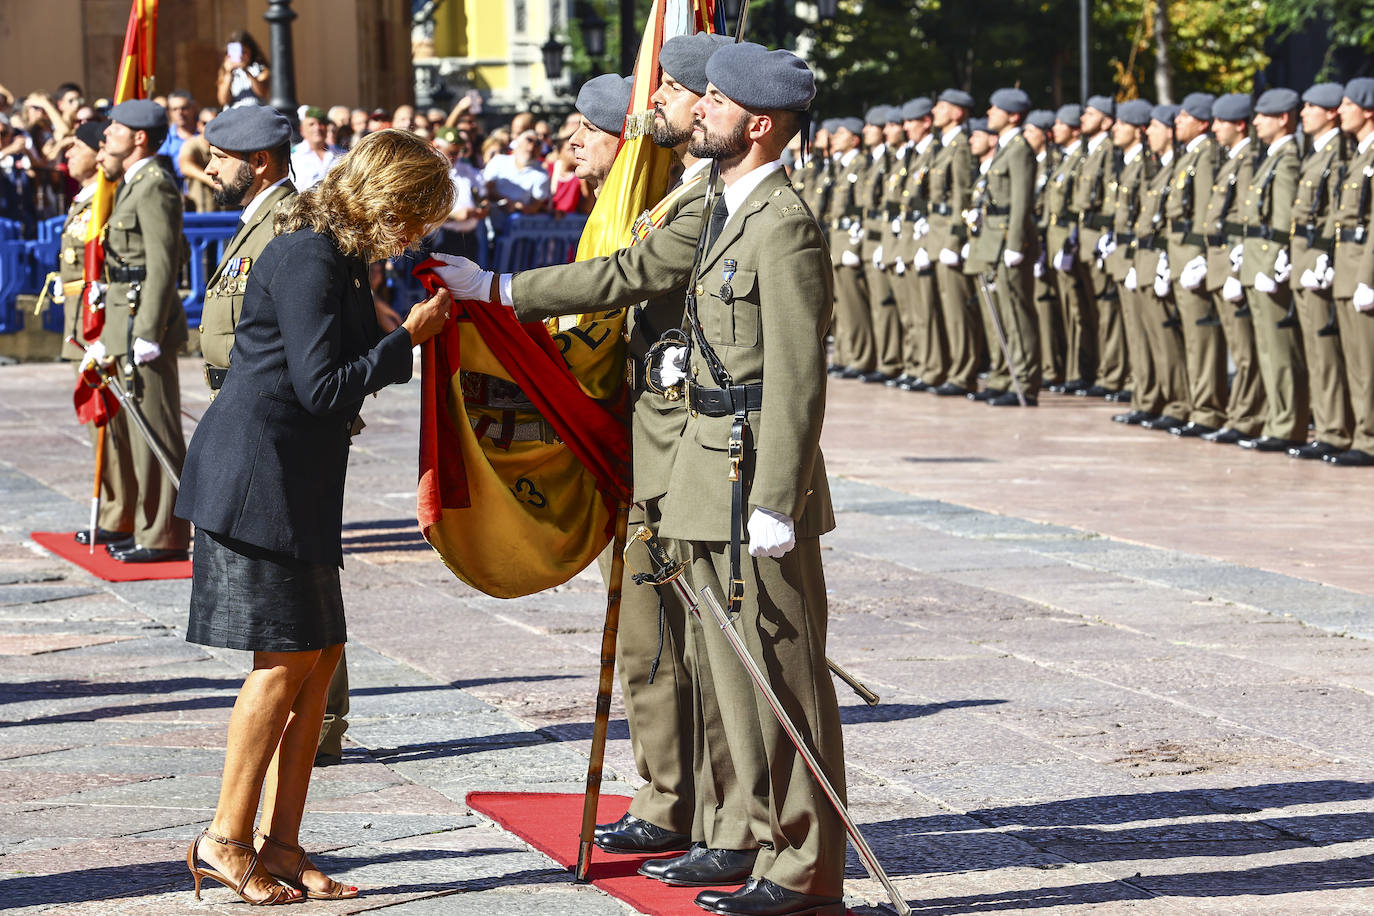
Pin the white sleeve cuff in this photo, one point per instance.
(503, 289)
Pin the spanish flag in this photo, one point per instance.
(135, 81)
(524, 437)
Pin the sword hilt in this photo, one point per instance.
(664, 569)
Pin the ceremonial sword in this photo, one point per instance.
(1001, 337)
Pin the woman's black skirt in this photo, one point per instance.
(245, 597)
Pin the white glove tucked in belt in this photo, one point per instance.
(145, 351)
(95, 293)
(1012, 258)
(921, 260)
(95, 354)
(1106, 245)
(920, 229)
(878, 257)
(1363, 300)
(849, 259)
(673, 368)
(1194, 272)
(771, 534)
(899, 267)
(1237, 256)
(1319, 276)
(1232, 291)
(1283, 268)
(949, 257)
(1063, 261)
(1162, 277)
(1131, 282)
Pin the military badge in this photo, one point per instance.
(727, 292)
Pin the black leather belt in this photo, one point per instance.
(1267, 232)
(940, 209)
(873, 214)
(844, 222)
(1314, 240)
(1356, 235)
(1092, 220)
(1124, 238)
(1230, 233)
(994, 210)
(1149, 243)
(892, 211)
(1065, 222)
(915, 216)
(125, 274)
(214, 376)
(722, 402)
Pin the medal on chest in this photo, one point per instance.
(727, 292)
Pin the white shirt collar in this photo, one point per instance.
(1197, 141)
(1040, 156)
(877, 151)
(1167, 159)
(848, 157)
(691, 171)
(1096, 141)
(1365, 144)
(1277, 144)
(134, 169)
(1073, 147)
(1132, 153)
(925, 142)
(985, 164)
(1006, 135)
(743, 186)
(1319, 144)
(1239, 148)
(950, 133)
(253, 205)
(85, 194)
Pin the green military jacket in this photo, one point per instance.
(1268, 203)
(950, 180)
(224, 292)
(1319, 184)
(891, 224)
(814, 181)
(915, 201)
(768, 327)
(1060, 217)
(1009, 204)
(1189, 196)
(868, 195)
(1127, 199)
(1354, 259)
(1045, 163)
(144, 231)
(1092, 191)
(844, 206)
(70, 266)
(1221, 223)
(650, 279)
(1151, 225)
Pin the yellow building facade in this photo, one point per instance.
(493, 46)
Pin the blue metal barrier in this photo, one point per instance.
(207, 234)
(12, 269)
(536, 241)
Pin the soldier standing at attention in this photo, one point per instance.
(924, 352)
(950, 181)
(145, 323)
(895, 234)
(853, 327)
(1039, 124)
(1075, 304)
(1245, 407)
(1096, 174)
(814, 178)
(1265, 270)
(882, 306)
(1319, 183)
(1354, 262)
(982, 262)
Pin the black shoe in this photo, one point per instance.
(1190, 429)
(1073, 386)
(1267, 444)
(325, 759)
(654, 868)
(765, 898)
(1164, 423)
(1134, 418)
(1224, 436)
(149, 555)
(1118, 397)
(835, 369)
(102, 536)
(1351, 459)
(1093, 391)
(951, 390)
(987, 394)
(851, 373)
(1009, 399)
(708, 900)
(703, 867)
(1313, 450)
(898, 381)
(633, 836)
(916, 385)
(875, 377)
(1053, 388)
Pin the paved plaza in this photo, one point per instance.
(1120, 673)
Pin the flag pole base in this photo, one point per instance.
(584, 862)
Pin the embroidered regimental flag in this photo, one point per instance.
(524, 447)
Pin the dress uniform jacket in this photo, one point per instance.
(1222, 222)
(1353, 222)
(268, 460)
(1127, 201)
(144, 231)
(951, 190)
(70, 267)
(1092, 191)
(1060, 217)
(843, 211)
(1267, 207)
(225, 292)
(1186, 207)
(915, 203)
(1319, 184)
(1009, 211)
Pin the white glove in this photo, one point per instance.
(1193, 273)
(95, 354)
(1237, 256)
(1309, 280)
(95, 293)
(921, 260)
(1039, 269)
(899, 267)
(771, 534)
(1319, 276)
(1231, 290)
(949, 257)
(1265, 283)
(963, 252)
(1106, 245)
(1063, 261)
(673, 368)
(464, 279)
(1283, 268)
(849, 259)
(1012, 258)
(1131, 282)
(145, 351)
(920, 229)
(1162, 285)
(878, 257)
(897, 226)
(1363, 299)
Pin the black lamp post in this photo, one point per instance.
(279, 15)
(732, 13)
(553, 57)
(593, 31)
(826, 9)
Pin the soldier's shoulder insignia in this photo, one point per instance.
(793, 208)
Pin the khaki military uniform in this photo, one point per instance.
(853, 324)
(767, 325)
(950, 180)
(924, 352)
(1046, 288)
(814, 181)
(1162, 330)
(1186, 206)
(144, 251)
(1354, 262)
(1137, 305)
(877, 237)
(1267, 213)
(1319, 182)
(1245, 406)
(1091, 202)
(1078, 315)
(980, 266)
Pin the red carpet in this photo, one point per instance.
(101, 565)
(551, 824)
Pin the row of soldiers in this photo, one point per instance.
(1115, 250)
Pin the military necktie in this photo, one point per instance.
(719, 216)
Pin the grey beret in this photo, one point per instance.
(1164, 114)
(755, 77)
(248, 128)
(140, 114)
(1276, 102)
(1041, 118)
(1103, 103)
(1199, 105)
(1135, 112)
(854, 125)
(830, 125)
(1325, 95)
(1071, 115)
(876, 116)
(1232, 107)
(604, 99)
(683, 57)
(1012, 101)
(978, 125)
(956, 97)
(916, 109)
(91, 133)
(1361, 92)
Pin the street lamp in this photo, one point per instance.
(279, 15)
(732, 12)
(553, 57)
(826, 9)
(593, 31)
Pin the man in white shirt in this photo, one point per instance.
(313, 157)
(516, 183)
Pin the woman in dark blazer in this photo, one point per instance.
(264, 482)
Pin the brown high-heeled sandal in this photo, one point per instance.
(336, 890)
(281, 896)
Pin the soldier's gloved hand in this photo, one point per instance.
(1265, 283)
(1283, 268)
(95, 293)
(921, 261)
(878, 257)
(1132, 282)
(1194, 272)
(1039, 269)
(949, 257)
(95, 354)
(920, 229)
(849, 259)
(964, 252)
(1363, 300)
(1163, 274)
(145, 351)
(771, 534)
(1063, 261)
(1231, 290)
(1237, 256)
(1106, 245)
(464, 279)
(1012, 258)
(1324, 271)
(674, 366)
(1309, 280)
(899, 267)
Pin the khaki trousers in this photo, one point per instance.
(1204, 354)
(923, 342)
(1051, 321)
(1357, 342)
(154, 496)
(1330, 398)
(958, 309)
(1112, 367)
(1020, 325)
(1080, 323)
(1282, 367)
(883, 317)
(1143, 381)
(117, 485)
(853, 322)
(1168, 361)
(782, 622)
(1245, 407)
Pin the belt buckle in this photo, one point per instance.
(206, 369)
(1359, 235)
(736, 451)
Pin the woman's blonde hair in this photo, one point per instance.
(391, 189)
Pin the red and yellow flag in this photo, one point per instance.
(135, 81)
(511, 512)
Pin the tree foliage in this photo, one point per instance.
(1349, 23)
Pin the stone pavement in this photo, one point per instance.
(1120, 674)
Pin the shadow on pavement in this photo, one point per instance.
(66, 688)
(894, 712)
